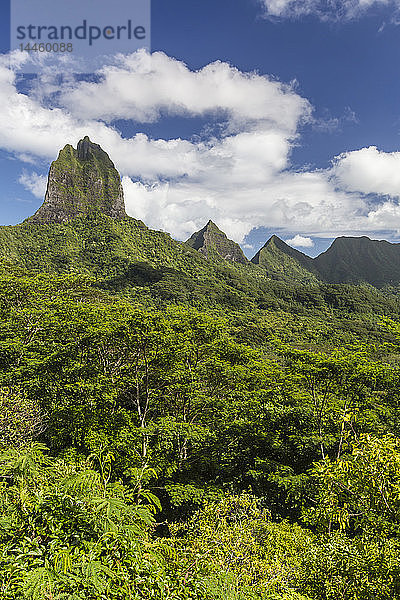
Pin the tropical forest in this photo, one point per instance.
(179, 422)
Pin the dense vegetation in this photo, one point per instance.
(179, 423)
(161, 440)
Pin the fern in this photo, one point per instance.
(39, 583)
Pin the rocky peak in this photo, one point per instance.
(211, 241)
(273, 245)
(84, 147)
(81, 180)
(282, 262)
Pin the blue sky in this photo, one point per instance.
(333, 168)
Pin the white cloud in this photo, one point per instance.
(299, 241)
(34, 183)
(385, 216)
(369, 171)
(143, 87)
(241, 178)
(212, 175)
(307, 200)
(335, 10)
(289, 8)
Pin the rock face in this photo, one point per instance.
(211, 241)
(81, 181)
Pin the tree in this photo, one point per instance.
(21, 418)
(359, 492)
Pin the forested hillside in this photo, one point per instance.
(176, 423)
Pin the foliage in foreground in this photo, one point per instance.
(68, 531)
(272, 464)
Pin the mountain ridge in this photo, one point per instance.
(349, 259)
(280, 260)
(85, 198)
(355, 259)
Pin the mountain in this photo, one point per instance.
(360, 259)
(82, 227)
(285, 263)
(212, 242)
(347, 260)
(81, 180)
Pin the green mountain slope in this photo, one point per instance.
(360, 259)
(213, 243)
(124, 254)
(285, 263)
(347, 260)
(82, 227)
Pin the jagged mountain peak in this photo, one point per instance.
(81, 180)
(281, 261)
(211, 225)
(275, 241)
(213, 242)
(86, 147)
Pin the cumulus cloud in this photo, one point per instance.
(307, 201)
(172, 184)
(335, 10)
(299, 241)
(241, 178)
(34, 183)
(143, 87)
(369, 171)
(385, 216)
